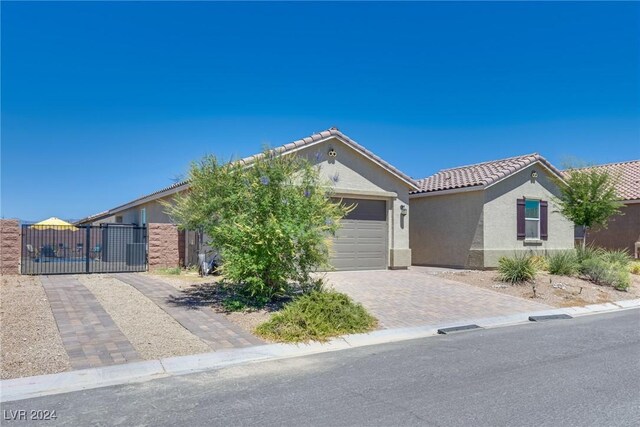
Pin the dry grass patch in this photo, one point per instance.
(30, 343)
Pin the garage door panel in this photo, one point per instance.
(361, 244)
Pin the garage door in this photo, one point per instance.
(361, 242)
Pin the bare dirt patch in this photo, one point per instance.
(557, 291)
(152, 332)
(30, 343)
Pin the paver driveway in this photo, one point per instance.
(403, 298)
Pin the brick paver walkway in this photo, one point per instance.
(89, 335)
(404, 298)
(203, 322)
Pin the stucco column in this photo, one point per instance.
(399, 250)
(9, 246)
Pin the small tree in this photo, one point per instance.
(589, 198)
(270, 219)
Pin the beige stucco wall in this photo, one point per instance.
(353, 175)
(474, 229)
(155, 213)
(500, 221)
(446, 230)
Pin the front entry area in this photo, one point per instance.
(361, 242)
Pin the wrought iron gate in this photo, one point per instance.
(107, 248)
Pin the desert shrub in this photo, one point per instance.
(270, 220)
(587, 252)
(517, 269)
(540, 262)
(603, 272)
(620, 256)
(634, 267)
(563, 263)
(317, 316)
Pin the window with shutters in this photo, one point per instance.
(532, 219)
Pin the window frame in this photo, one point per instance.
(538, 219)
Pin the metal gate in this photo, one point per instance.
(107, 248)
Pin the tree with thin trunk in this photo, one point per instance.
(271, 220)
(589, 198)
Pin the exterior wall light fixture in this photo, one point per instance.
(332, 153)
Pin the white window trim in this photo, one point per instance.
(539, 237)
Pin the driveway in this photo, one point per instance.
(414, 297)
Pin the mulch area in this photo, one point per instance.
(30, 343)
(557, 291)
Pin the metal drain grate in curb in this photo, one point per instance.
(549, 317)
(445, 331)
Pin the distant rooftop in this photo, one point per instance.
(479, 174)
(628, 176)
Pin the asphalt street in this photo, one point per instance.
(574, 372)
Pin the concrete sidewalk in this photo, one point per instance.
(24, 388)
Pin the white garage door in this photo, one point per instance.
(361, 242)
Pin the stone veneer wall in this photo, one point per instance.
(9, 246)
(164, 246)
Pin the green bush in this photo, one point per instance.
(634, 267)
(603, 272)
(271, 219)
(586, 253)
(317, 316)
(564, 263)
(620, 256)
(517, 269)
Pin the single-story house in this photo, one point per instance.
(470, 216)
(375, 235)
(622, 231)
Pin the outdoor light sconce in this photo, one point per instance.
(332, 153)
(534, 174)
(403, 210)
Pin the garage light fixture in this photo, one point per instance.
(332, 153)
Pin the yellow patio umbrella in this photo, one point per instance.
(54, 223)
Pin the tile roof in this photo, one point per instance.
(335, 133)
(628, 176)
(315, 138)
(479, 174)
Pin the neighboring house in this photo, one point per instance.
(622, 231)
(470, 216)
(375, 235)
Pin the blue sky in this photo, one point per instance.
(104, 102)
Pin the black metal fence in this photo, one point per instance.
(107, 248)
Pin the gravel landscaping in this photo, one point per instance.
(557, 291)
(152, 332)
(29, 340)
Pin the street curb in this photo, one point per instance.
(85, 379)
